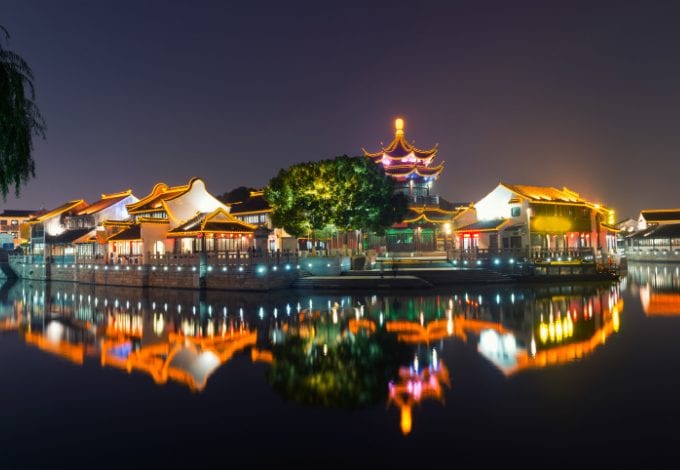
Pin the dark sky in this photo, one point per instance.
(584, 95)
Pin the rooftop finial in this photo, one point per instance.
(399, 126)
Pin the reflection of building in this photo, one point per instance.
(659, 303)
(346, 350)
(183, 359)
(659, 287)
(564, 329)
(416, 384)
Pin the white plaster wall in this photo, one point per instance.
(151, 233)
(118, 211)
(196, 199)
(495, 204)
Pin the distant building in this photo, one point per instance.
(655, 217)
(11, 221)
(627, 226)
(657, 237)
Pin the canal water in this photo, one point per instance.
(580, 373)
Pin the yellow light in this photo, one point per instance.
(406, 421)
(616, 321)
(558, 330)
(399, 126)
(543, 332)
(551, 224)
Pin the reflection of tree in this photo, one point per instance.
(352, 374)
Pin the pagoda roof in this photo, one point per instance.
(218, 221)
(255, 204)
(67, 237)
(484, 226)
(17, 213)
(133, 232)
(107, 200)
(154, 200)
(428, 214)
(545, 193)
(407, 170)
(661, 215)
(660, 231)
(71, 206)
(400, 148)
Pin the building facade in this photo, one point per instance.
(538, 222)
(657, 237)
(11, 222)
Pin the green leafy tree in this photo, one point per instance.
(20, 119)
(349, 193)
(350, 375)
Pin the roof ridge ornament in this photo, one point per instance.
(399, 126)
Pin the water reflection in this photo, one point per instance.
(341, 351)
(658, 286)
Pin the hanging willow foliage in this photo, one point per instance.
(20, 119)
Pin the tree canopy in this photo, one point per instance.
(20, 119)
(239, 194)
(349, 375)
(350, 193)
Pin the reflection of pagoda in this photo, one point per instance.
(425, 225)
(415, 385)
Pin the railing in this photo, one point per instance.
(226, 258)
(425, 200)
(537, 254)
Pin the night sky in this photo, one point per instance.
(582, 95)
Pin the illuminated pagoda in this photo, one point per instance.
(428, 221)
(409, 166)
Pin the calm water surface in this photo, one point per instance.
(577, 373)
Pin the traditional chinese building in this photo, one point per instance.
(70, 230)
(657, 237)
(11, 221)
(216, 232)
(540, 222)
(46, 230)
(155, 215)
(256, 210)
(429, 219)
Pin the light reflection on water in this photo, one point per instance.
(336, 350)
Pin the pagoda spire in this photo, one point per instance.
(399, 127)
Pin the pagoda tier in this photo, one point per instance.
(404, 162)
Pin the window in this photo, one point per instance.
(15, 222)
(515, 211)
